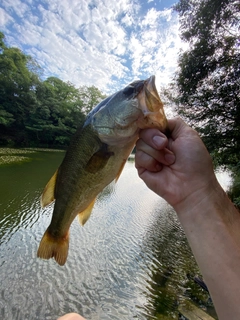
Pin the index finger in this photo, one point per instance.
(154, 138)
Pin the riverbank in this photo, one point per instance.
(12, 155)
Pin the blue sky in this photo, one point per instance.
(96, 42)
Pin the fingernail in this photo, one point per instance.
(170, 158)
(158, 141)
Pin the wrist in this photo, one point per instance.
(200, 201)
(209, 210)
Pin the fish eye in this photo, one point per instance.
(129, 90)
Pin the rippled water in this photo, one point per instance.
(129, 261)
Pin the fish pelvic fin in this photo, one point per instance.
(85, 214)
(51, 247)
(48, 193)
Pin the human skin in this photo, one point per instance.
(71, 316)
(180, 170)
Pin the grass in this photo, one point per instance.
(13, 159)
(12, 151)
(11, 155)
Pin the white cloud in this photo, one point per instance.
(151, 17)
(4, 18)
(101, 43)
(127, 20)
(155, 45)
(17, 6)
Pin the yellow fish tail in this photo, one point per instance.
(51, 247)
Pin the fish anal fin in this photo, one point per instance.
(99, 159)
(85, 214)
(120, 170)
(48, 193)
(51, 247)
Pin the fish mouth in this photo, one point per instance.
(151, 87)
(153, 115)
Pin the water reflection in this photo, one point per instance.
(168, 259)
(129, 261)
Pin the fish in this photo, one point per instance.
(95, 157)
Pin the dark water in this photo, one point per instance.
(130, 260)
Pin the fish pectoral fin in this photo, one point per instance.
(48, 193)
(85, 214)
(120, 170)
(99, 159)
(51, 247)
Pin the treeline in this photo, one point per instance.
(208, 81)
(206, 88)
(36, 113)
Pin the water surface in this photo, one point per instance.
(130, 260)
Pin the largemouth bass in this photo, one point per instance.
(95, 157)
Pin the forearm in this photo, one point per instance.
(212, 226)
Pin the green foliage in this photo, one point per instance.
(90, 97)
(234, 192)
(208, 79)
(35, 112)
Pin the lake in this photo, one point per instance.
(129, 261)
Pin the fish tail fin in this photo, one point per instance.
(51, 247)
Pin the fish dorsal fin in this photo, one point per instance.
(48, 192)
(120, 170)
(99, 159)
(85, 214)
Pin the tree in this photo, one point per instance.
(35, 112)
(209, 71)
(90, 96)
(17, 86)
(58, 114)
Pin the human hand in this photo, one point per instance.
(71, 316)
(178, 169)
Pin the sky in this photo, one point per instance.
(104, 43)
